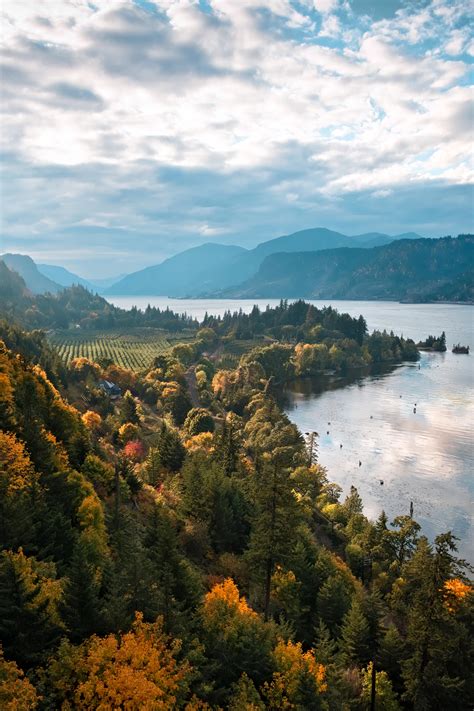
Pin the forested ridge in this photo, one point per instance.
(162, 553)
(404, 270)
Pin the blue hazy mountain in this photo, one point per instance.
(35, 281)
(407, 269)
(211, 267)
(63, 276)
(189, 272)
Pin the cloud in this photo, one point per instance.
(236, 120)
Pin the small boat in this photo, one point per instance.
(460, 349)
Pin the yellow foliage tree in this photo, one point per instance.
(223, 603)
(299, 678)
(202, 442)
(92, 420)
(127, 432)
(455, 592)
(16, 692)
(138, 670)
(16, 470)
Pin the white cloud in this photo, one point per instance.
(324, 6)
(243, 89)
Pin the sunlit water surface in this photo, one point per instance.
(425, 456)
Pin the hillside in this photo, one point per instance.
(63, 276)
(75, 308)
(402, 270)
(202, 270)
(191, 271)
(35, 281)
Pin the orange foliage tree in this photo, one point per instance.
(298, 681)
(92, 420)
(138, 670)
(16, 692)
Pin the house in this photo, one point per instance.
(110, 389)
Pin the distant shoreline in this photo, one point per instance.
(292, 298)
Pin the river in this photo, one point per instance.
(425, 456)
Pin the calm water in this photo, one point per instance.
(426, 457)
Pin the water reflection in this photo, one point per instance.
(408, 426)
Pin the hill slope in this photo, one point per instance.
(402, 270)
(202, 270)
(63, 276)
(35, 281)
(188, 272)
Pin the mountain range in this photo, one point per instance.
(37, 282)
(203, 270)
(408, 269)
(316, 263)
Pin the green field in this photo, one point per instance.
(132, 348)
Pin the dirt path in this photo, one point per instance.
(190, 376)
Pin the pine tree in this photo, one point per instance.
(153, 466)
(439, 641)
(81, 606)
(128, 409)
(171, 449)
(333, 602)
(355, 636)
(174, 588)
(28, 629)
(274, 525)
(245, 696)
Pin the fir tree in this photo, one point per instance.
(355, 636)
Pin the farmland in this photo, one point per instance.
(134, 348)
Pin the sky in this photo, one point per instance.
(134, 129)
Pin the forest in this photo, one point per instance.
(181, 547)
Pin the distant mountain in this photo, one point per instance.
(188, 272)
(35, 281)
(460, 289)
(63, 276)
(210, 267)
(402, 270)
(105, 283)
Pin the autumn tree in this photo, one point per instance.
(299, 680)
(236, 639)
(137, 670)
(16, 691)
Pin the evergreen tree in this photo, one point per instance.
(128, 409)
(245, 696)
(439, 640)
(173, 588)
(81, 606)
(333, 602)
(153, 466)
(28, 628)
(355, 636)
(275, 521)
(171, 449)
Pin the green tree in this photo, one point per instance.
(275, 521)
(29, 621)
(128, 409)
(82, 605)
(385, 697)
(333, 601)
(439, 641)
(198, 420)
(355, 636)
(170, 448)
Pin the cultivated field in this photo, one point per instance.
(132, 348)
